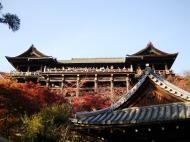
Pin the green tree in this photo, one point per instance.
(11, 20)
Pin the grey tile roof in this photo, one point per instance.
(163, 112)
(94, 60)
(136, 115)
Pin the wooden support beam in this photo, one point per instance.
(44, 68)
(41, 68)
(28, 69)
(153, 67)
(127, 83)
(47, 82)
(111, 86)
(95, 83)
(166, 67)
(77, 89)
(131, 68)
(62, 85)
(62, 82)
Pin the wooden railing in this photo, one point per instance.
(86, 70)
(16, 73)
(80, 71)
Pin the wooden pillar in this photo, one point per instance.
(62, 82)
(166, 67)
(111, 85)
(17, 68)
(44, 68)
(28, 69)
(131, 68)
(95, 83)
(127, 83)
(41, 68)
(47, 82)
(77, 89)
(153, 68)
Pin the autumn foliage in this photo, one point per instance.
(181, 81)
(18, 99)
(90, 102)
(27, 97)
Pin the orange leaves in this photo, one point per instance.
(182, 82)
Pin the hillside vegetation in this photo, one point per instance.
(30, 112)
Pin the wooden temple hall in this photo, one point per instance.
(32, 65)
(154, 110)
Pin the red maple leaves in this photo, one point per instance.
(90, 102)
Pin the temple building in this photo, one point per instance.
(154, 110)
(32, 65)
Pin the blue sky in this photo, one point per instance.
(98, 28)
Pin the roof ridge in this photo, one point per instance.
(32, 49)
(150, 45)
(97, 58)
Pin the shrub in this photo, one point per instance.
(49, 125)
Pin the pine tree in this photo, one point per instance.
(11, 20)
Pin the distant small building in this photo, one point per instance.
(35, 66)
(154, 110)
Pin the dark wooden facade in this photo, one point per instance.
(35, 66)
(154, 110)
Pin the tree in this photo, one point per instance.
(11, 20)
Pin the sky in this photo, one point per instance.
(97, 28)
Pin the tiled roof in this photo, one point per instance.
(94, 60)
(32, 52)
(136, 115)
(150, 50)
(112, 114)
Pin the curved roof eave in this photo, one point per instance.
(150, 46)
(32, 50)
